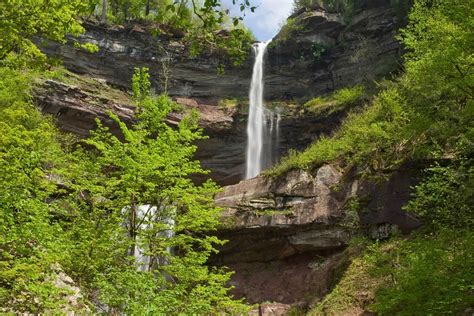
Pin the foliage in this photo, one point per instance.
(288, 29)
(234, 44)
(317, 50)
(349, 95)
(366, 138)
(426, 113)
(205, 24)
(228, 103)
(347, 7)
(445, 197)
(151, 168)
(339, 100)
(21, 20)
(425, 274)
(423, 114)
(79, 210)
(432, 275)
(171, 12)
(31, 241)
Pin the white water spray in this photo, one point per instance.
(256, 119)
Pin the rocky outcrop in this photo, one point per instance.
(321, 52)
(71, 302)
(270, 309)
(76, 109)
(286, 234)
(76, 101)
(121, 49)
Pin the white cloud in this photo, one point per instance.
(267, 19)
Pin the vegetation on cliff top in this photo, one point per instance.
(204, 26)
(347, 7)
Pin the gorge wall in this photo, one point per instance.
(76, 101)
(319, 52)
(360, 50)
(287, 234)
(363, 48)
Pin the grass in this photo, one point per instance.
(87, 84)
(370, 137)
(228, 103)
(426, 274)
(287, 30)
(339, 100)
(271, 212)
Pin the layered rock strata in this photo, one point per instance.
(75, 107)
(322, 52)
(286, 235)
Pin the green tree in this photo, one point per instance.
(31, 239)
(130, 194)
(20, 20)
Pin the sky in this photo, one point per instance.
(266, 21)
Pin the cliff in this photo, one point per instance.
(76, 101)
(318, 52)
(287, 234)
(360, 50)
(315, 53)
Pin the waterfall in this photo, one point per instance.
(257, 120)
(149, 216)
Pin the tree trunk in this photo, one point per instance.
(126, 7)
(103, 19)
(147, 8)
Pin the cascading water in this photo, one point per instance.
(147, 217)
(257, 126)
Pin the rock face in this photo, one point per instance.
(324, 53)
(362, 49)
(122, 49)
(283, 234)
(286, 234)
(76, 106)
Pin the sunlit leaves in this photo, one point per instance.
(20, 20)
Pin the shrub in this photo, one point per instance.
(339, 100)
(349, 95)
(318, 49)
(446, 197)
(422, 275)
(289, 28)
